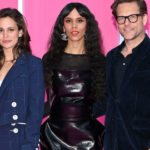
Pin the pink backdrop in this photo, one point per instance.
(41, 18)
(9, 3)
(41, 15)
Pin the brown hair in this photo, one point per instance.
(141, 3)
(23, 44)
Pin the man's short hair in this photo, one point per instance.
(141, 3)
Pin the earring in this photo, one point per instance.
(64, 37)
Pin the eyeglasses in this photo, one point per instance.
(132, 18)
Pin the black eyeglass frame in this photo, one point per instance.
(127, 17)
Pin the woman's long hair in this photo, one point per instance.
(23, 42)
(56, 47)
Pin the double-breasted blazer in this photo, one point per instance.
(22, 100)
(128, 114)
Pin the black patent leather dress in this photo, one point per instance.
(70, 126)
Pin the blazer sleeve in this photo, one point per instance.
(99, 107)
(35, 105)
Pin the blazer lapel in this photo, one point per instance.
(138, 57)
(15, 71)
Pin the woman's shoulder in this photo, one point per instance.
(34, 58)
(32, 61)
(30, 57)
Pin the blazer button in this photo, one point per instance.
(13, 104)
(15, 117)
(15, 130)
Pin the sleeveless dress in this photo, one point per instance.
(70, 125)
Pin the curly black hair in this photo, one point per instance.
(23, 42)
(93, 48)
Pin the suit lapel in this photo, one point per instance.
(138, 57)
(13, 73)
(132, 67)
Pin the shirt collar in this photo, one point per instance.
(137, 47)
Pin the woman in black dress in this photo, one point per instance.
(74, 69)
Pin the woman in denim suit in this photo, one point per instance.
(21, 85)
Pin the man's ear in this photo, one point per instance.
(145, 18)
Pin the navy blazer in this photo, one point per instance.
(22, 98)
(128, 114)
